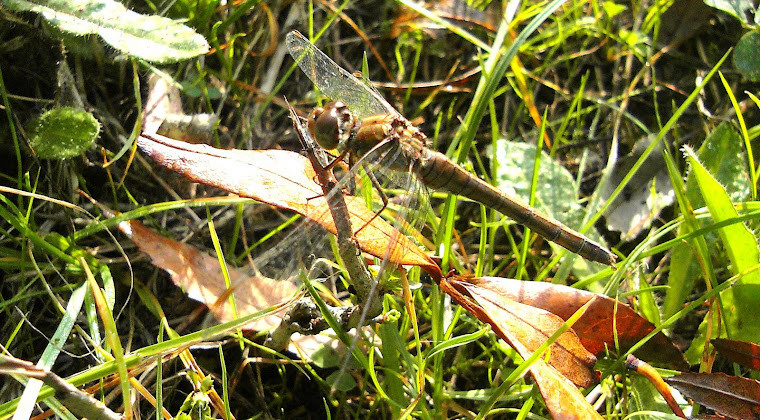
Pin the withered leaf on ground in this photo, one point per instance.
(286, 180)
(531, 327)
(741, 352)
(731, 396)
(164, 114)
(597, 327)
(562, 398)
(200, 276)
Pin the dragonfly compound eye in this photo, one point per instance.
(331, 126)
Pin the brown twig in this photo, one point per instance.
(305, 317)
(647, 371)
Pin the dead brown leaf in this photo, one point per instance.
(731, 396)
(200, 276)
(287, 180)
(741, 352)
(562, 398)
(597, 327)
(531, 327)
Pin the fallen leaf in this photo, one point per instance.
(731, 396)
(644, 197)
(163, 99)
(164, 115)
(200, 276)
(741, 352)
(531, 327)
(287, 180)
(563, 400)
(596, 328)
(464, 13)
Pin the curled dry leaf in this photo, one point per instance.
(163, 99)
(164, 115)
(741, 352)
(286, 180)
(562, 398)
(731, 396)
(597, 327)
(650, 373)
(531, 327)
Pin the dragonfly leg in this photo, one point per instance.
(389, 141)
(338, 159)
(378, 187)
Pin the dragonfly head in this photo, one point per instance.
(331, 126)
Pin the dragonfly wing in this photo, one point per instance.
(335, 82)
(408, 198)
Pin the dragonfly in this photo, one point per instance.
(359, 122)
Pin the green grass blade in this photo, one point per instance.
(51, 352)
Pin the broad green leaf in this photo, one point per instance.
(152, 38)
(646, 403)
(556, 194)
(722, 155)
(62, 133)
(735, 8)
(327, 357)
(341, 381)
(746, 59)
(739, 303)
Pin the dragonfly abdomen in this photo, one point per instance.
(439, 172)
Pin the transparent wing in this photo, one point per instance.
(409, 204)
(408, 198)
(334, 81)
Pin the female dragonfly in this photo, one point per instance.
(360, 121)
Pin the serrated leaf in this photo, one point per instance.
(152, 38)
(740, 243)
(62, 133)
(740, 302)
(722, 155)
(746, 59)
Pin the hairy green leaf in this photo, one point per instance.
(152, 38)
(62, 133)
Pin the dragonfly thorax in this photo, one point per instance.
(332, 126)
